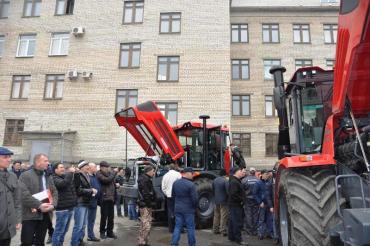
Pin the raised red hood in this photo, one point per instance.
(352, 69)
(147, 125)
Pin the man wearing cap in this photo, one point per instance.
(84, 192)
(236, 202)
(10, 199)
(106, 179)
(250, 206)
(147, 201)
(264, 203)
(185, 195)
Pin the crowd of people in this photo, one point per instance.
(31, 195)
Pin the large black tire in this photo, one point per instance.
(307, 206)
(205, 207)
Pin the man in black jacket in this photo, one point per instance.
(106, 179)
(147, 200)
(220, 187)
(84, 193)
(66, 202)
(236, 202)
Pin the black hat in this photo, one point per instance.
(104, 164)
(148, 168)
(5, 151)
(264, 171)
(235, 169)
(188, 170)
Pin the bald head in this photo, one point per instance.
(92, 169)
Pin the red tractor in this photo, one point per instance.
(192, 144)
(322, 192)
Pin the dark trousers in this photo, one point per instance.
(91, 216)
(107, 217)
(5, 242)
(171, 214)
(235, 223)
(251, 216)
(34, 231)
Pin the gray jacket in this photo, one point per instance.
(30, 184)
(10, 204)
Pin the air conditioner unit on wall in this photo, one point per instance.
(87, 75)
(72, 74)
(78, 31)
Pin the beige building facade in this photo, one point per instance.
(67, 66)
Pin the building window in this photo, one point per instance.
(31, 8)
(267, 64)
(330, 63)
(133, 12)
(169, 110)
(243, 141)
(299, 63)
(125, 99)
(4, 8)
(130, 55)
(240, 69)
(54, 86)
(20, 86)
(330, 33)
(59, 44)
(168, 68)
(26, 45)
(64, 7)
(271, 144)
(241, 105)
(13, 132)
(270, 110)
(170, 23)
(2, 42)
(239, 33)
(270, 33)
(301, 33)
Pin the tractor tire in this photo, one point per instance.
(307, 206)
(205, 206)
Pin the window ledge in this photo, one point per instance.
(132, 23)
(169, 33)
(24, 56)
(52, 99)
(58, 55)
(63, 14)
(167, 81)
(128, 67)
(18, 99)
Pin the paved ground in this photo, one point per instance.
(126, 231)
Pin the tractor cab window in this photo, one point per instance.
(312, 119)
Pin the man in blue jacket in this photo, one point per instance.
(185, 195)
(264, 202)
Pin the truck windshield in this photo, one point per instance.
(312, 119)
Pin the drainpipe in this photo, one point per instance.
(62, 150)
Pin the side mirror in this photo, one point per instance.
(279, 98)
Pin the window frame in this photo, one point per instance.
(264, 66)
(270, 30)
(2, 4)
(18, 123)
(65, 7)
(133, 17)
(168, 68)
(239, 29)
(274, 146)
(240, 139)
(240, 100)
(54, 86)
(170, 22)
(304, 62)
(127, 97)
(130, 54)
(274, 113)
(329, 60)
(301, 29)
(21, 87)
(60, 45)
(331, 29)
(240, 69)
(167, 109)
(34, 2)
(2, 45)
(28, 42)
